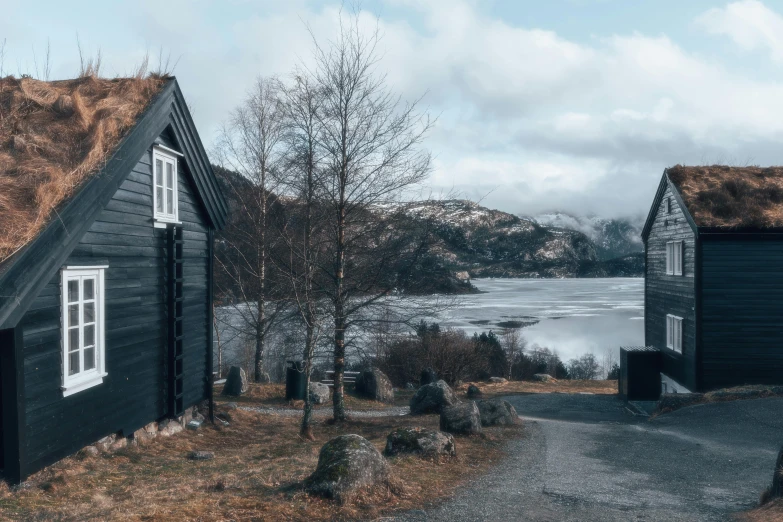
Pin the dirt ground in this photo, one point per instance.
(256, 474)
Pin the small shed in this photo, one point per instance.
(108, 206)
(713, 290)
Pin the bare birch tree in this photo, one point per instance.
(251, 145)
(372, 145)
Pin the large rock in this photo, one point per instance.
(543, 377)
(428, 376)
(347, 464)
(373, 384)
(461, 418)
(432, 397)
(420, 441)
(497, 380)
(319, 393)
(236, 382)
(474, 392)
(496, 412)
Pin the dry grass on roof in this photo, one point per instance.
(53, 135)
(731, 197)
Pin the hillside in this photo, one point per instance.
(490, 243)
(613, 238)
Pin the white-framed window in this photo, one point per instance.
(83, 337)
(164, 181)
(674, 256)
(674, 333)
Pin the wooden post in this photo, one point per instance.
(13, 403)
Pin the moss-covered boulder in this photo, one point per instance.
(497, 412)
(432, 398)
(346, 465)
(461, 418)
(373, 384)
(420, 441)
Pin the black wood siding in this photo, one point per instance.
(742, 310)
(669, 294)
(135, 324)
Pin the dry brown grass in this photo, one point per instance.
(273, 396)
(770, 512)
(255, 475)
(53, 135)
(731, 197)
(736, 393)
(554, 386)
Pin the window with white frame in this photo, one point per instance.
(83, 339)
(164, 175)
(674, 333)
(674, 257)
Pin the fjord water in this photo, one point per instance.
(575, 316)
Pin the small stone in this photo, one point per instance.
(118, 444)
(420, 441)
(497, 412)
(432, 398)
(171, 428)
(231, 406)
(474, 392)
(151, 428)
(92, 451)
(319, 393)
(194, 424)
(201, 455)
(410, 386)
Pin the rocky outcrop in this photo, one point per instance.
(498, 380)
(432, 398)
(346, 465)
(236, 382)
(462, 418)
(428, 376)
(497, 412)
(420, 441)
(543, 377)
(474, 392)
(319, 393)
(374, 385)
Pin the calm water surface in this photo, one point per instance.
(574, 316)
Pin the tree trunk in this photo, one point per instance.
(259, 355)
(307, 417)
(339, 322)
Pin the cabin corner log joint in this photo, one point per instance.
(105, 314)
(713, 290)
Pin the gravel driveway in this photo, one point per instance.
(586, 458)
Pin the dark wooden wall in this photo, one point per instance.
(132, 394)
(742, 310)
(671, 294)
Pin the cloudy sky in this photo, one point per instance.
(575, 105)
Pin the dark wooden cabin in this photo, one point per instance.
(105, 312)
(714, 277)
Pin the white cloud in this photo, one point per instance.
(750, 24)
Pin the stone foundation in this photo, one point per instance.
(164, 428)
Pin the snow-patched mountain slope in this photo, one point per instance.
(612, 237)
(492, 243)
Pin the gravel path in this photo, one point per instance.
(291, 412)
(585, 458)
